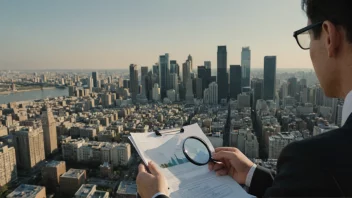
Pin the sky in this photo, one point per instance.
(112, 34)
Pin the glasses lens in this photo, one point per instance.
(304, 40)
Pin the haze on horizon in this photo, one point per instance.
(89, 34)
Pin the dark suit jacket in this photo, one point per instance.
(320, 166)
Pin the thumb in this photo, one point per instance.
(153, 169)
(228, 155)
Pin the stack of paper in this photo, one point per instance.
(184, 178)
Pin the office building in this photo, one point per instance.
(30, 144)
(189, 91)
(156, 92)
(198, 85)
(243, 100)
(28, 191)
(71, 181)
(186, 72)
(51, 174)
(174, 83)
(284, 90)
(235, 80)
(246, 66)
(156, 70)
(144, 73)
(171, 95)
(121, 154)
(3, 130)
(173, 64)
(207, 64)
(8, 167)
(90, 191)
(211, 94)
(134, 81)
(95, 76)
(150, 80)
(126, 84)
(190, 60)
(164, 67)
(280, 141)
(269, 77)
(49, 129)
(258, 88)
(292, 87)
(222, 77)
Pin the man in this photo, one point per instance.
(315, 167)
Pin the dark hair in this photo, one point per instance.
(338, 12)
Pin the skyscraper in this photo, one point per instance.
(156, 69)
(174, 83)
(258, 88)
(190, 59)
(222, 77)
(189, 91)
(95, 78)
(269, 77)
(235, 80)
(246, 66)
(202, 75)
(144, 73)
(207, 64)
(292, 87)
(164, 67)
(211, 94)
(186, 72)
(49, 128)
(30, 144)
(134, 81)
(8, 167)
(173, 64)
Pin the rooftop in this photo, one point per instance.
(85, 190)
(127, 188)
(73, 173)
(99, 194)
(25, 191)
(54, 163)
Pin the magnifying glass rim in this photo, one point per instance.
(191, 160)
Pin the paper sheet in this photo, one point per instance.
(184, 178)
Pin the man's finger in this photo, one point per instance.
(222, 172)
(225, 149)
(228, 155)
(218, 167)
(141, 168)
(153, 169)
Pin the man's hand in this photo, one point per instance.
(233, 163)
(148, 184)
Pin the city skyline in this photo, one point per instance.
(88, 35)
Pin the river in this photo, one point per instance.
(32, 95)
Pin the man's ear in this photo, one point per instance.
(331, 37)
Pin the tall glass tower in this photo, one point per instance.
(269, 77)
(246, 66)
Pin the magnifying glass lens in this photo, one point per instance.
(196, 151)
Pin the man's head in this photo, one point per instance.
(331, 43)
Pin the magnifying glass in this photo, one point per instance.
(197, 151)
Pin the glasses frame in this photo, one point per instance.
(300, 31)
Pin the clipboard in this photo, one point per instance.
(165, 131)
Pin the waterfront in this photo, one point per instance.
(32, 95)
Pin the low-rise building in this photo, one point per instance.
(28, 191)
(71, 181)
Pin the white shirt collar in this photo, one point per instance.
(347, 108)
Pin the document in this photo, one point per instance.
(184, 178)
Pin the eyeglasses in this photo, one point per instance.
(302, 36)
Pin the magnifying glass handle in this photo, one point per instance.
(215, 161)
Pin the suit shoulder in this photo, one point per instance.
(321, 144)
